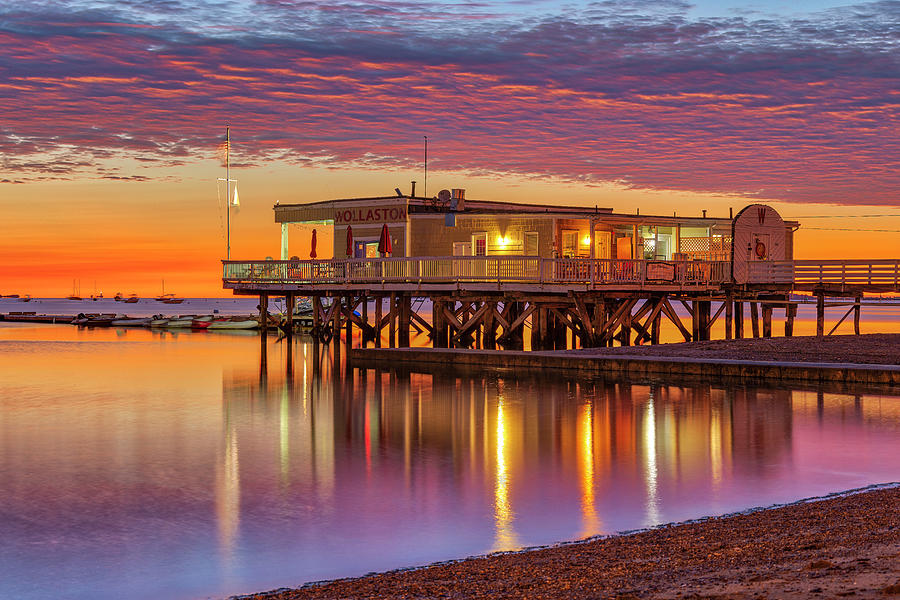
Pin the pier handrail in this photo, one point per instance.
(481, 269)
(860, 272)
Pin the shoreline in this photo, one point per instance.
(863, 359)
(838, 545)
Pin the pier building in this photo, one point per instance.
(451, 225)
(482, 273)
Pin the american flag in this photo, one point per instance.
(223, 149)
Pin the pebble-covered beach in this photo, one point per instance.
(841, 547)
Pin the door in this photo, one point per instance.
(478, 267)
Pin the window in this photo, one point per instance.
(479, 243)
(462, 248)
(531, 243)
(569, 243)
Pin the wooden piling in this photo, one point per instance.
(336, 323)
(379, 300)
(438, 340)
(490, 327)
(263, 314)
(705, 313)
(364, 310)
(790, 313)
(754, 318)
(856, 313)
(404, 320)
(656, 322)
(729, 316)
(738, 320)
(695, 320)
(625, 337)
(348, 341)
(392, 322)
(536, 336)
(289, 309)
(766, 320)
(317, 318)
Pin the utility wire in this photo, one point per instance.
(838, 217)
(848, 229)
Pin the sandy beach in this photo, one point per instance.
(841, 547)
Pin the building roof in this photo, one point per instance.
(323, 210)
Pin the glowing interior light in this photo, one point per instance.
(586, 240)
(503, 240)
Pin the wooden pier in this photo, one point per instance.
(554, 304)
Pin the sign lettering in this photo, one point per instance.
(383, 214)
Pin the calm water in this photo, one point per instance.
(137, 464)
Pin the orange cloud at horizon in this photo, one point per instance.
(128, 237)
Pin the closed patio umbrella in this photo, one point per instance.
(384, 243)
(349, 242)
(312, 250)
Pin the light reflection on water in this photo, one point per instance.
(141, 464)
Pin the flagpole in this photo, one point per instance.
(228, 193)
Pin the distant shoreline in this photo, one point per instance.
(841, 544)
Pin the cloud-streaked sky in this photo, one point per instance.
(795, 103)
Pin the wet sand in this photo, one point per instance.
(841, 547)
(873, 348)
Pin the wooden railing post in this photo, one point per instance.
(820, 314)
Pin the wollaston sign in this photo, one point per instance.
(380, 214)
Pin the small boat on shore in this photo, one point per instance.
(202, 322)
(131, 299)
(95, 320)
(159, 321)
(126, 322)
(233, 323)
(180, 322)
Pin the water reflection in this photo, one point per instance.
(216, 466)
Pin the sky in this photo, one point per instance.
(111, 112)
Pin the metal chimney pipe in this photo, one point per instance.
(412, 194)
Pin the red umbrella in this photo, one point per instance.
(349, 241)
(312, 251)
(384, 244)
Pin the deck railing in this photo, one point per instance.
(480, 269)
(827, 272)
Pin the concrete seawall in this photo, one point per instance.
(630, 366)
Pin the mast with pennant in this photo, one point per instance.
(229, 202)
